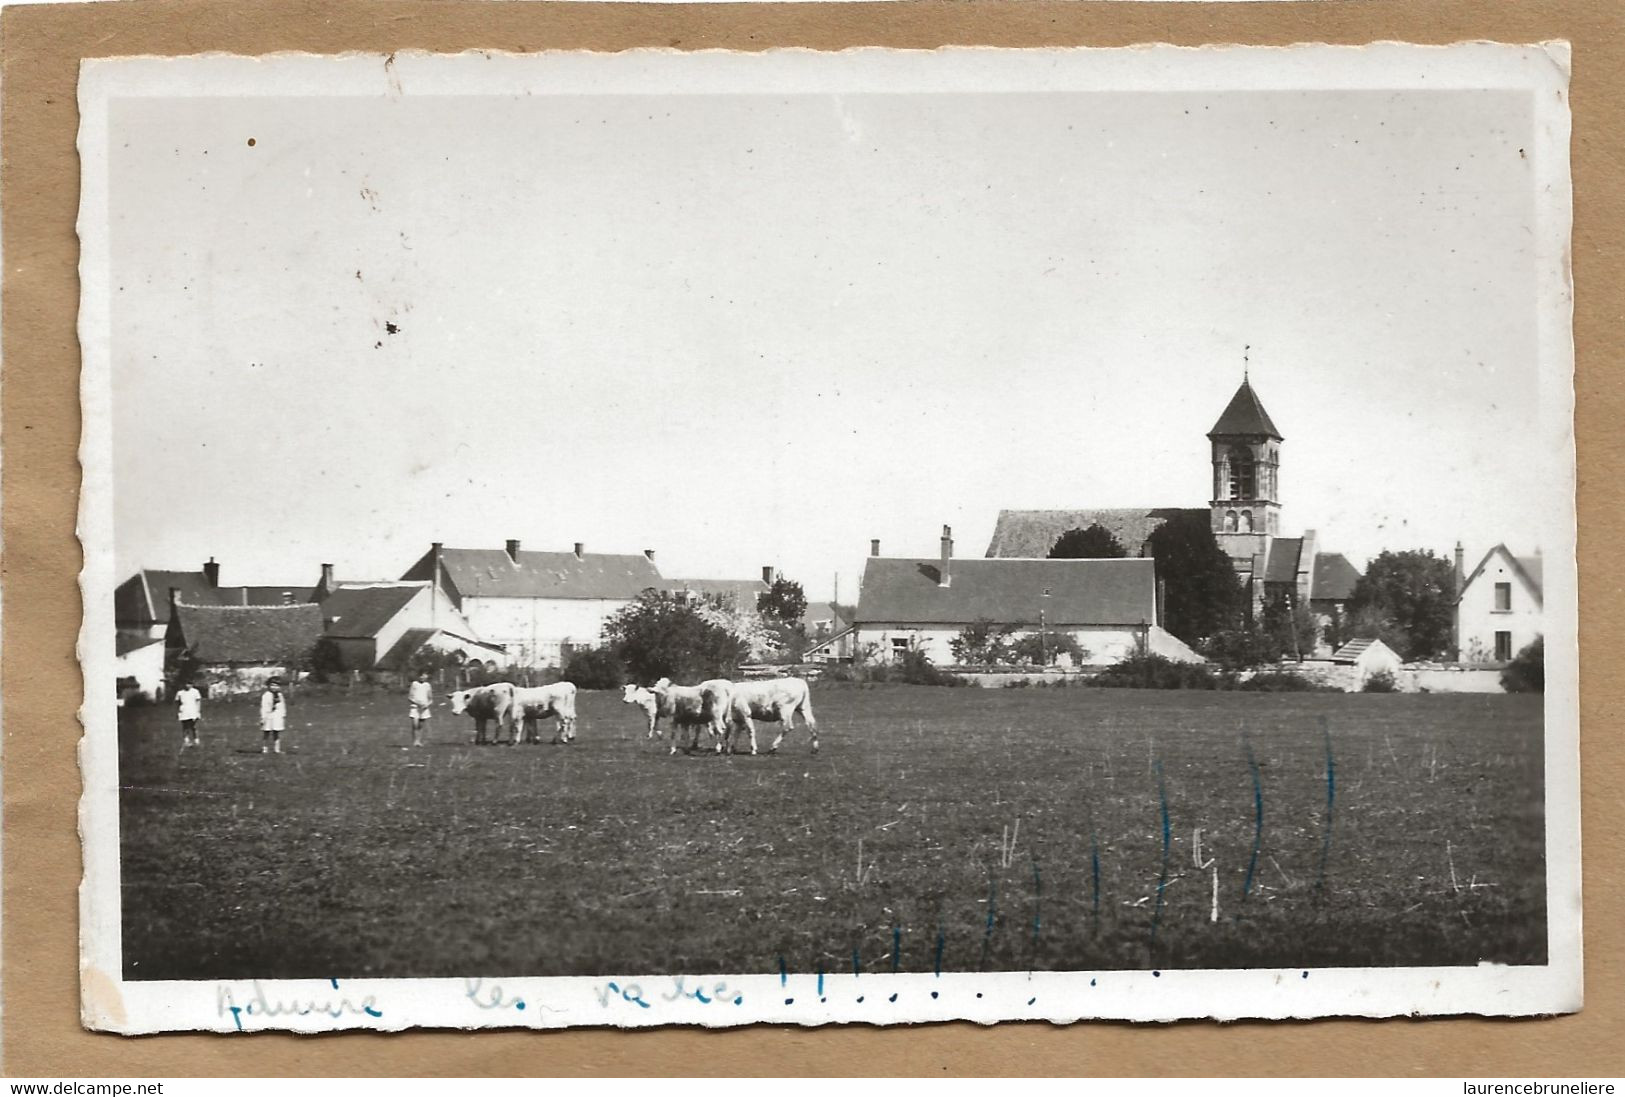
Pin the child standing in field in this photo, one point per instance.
(420, 702)
(273, 716)
(189, 709)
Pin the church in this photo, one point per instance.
(1244, 510)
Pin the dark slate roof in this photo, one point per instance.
(1082, 592)
(355, 612)
(1334, 578)
(249, 634)
(1351, 651)
(124, 643)
(1244, 415)
(1534, 571)
(490, 573)
(1281, 566)
(404, 650)
(1032, 533)
(144, 597)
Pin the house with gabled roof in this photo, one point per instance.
(141, 602)
(744, 593)
(367, 625)
(235, 649)
(537, 605)
(1499, 606)
(1108, 606)
(1243, 511)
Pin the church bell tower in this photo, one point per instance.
(1246, 499)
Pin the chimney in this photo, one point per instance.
(513, 549)
(327, 578)
(435, 549)
(581, 549)
(174, 599)
(242, 596)
(874, 546)
(944, 576)
(649, 555)
(211, 572)
(1461, 573)
(768, 574)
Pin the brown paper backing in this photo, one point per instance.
(42, 46)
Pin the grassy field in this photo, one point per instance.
(998, 830)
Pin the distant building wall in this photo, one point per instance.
(1482, 621)
(535, 630)
(1103, 645)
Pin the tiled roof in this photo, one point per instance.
(356, 612)
(1081, 592)
(143, 598)
(1334, 578)
(404, 650)
(1282, 564)
(1245, 415)
(124, 643)
(1535, 571)
(1351, 651)
(248, 634)
(743, 591)
(491, 573)
(1032, 533)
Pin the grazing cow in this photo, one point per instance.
(485, 703)
(776, 699)
(704, 705)
(533, 704)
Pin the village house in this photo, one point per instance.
(390, 624)
(1498, 606)
(537, 605)
(743, 593)
(141, 602)
(1108, 606)
(236, 649)
(1244, 512)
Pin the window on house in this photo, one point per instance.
(1503, 596)
(1242, 473)
(1503, 647)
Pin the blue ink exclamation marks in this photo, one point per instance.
(1094, 875)
(1167, 843)
(1331, 799)
(1038, 905)
(896, 948)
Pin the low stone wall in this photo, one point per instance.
(1450, 680)
(1001, 679)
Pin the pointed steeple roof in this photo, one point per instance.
(1244, 415)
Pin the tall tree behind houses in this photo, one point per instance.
(1414, 593)
(1094, 543)
(1202, 594)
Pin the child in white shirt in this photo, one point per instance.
(189, 710)
(273, 716)
(420, 705)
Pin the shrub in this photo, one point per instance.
(1157, 672)
(1527, 671)
(595, 668)
(1283, 681)
(1381, 681)
(916, 669)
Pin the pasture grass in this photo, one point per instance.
(999, 830)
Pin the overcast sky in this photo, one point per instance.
(762, 329)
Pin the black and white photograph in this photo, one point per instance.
(864, 537)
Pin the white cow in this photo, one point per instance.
(533, 704)
(704, 705)
(776, 699)
(485, 703)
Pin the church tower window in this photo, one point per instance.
(1243, 474)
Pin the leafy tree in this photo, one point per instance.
(662, 636)
(1290, 627)
(1045, 649)
(1527, 671)
(1094, 543)
(1414, 592)
(784, 602)
(595, 668)
(1203, 595)
(982, 641)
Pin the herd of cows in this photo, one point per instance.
(719, 706)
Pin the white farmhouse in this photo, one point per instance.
(1108, 606)
(1498, 606)
(537, 605)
